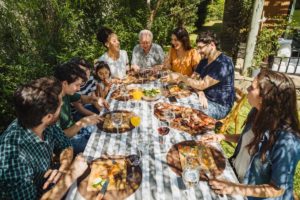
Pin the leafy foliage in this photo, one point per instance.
(210, 10)
(267, 41)
(236, 24)
(215, 10)
(38, 34)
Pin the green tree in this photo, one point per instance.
(38, 34)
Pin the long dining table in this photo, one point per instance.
(159, 181)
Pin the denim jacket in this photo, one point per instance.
(279, 166)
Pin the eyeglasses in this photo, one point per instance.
(201, 47)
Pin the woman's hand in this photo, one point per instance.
(212, 138)
(224, 187)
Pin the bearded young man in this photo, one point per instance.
(213, 77)
(28, 144)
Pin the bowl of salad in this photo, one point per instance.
(152, 94)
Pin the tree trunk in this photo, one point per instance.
(152, 13)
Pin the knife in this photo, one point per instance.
(101, 193)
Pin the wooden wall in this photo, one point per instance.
(274, 8)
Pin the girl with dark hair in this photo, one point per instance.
(103, 76)
(182, 58)
(268, 149)
(116, 59)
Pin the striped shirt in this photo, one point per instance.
(88, 87)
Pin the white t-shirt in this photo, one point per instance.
(242, 160)
(117, 67)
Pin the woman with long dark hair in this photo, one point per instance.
(182, 58)
(268, 149)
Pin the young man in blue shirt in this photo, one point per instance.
(213, 77)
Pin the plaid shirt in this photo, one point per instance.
(24, 159)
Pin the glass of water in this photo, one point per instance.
(117, 119)
(190, 172)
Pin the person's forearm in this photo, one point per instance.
(73, 130)
(58, 191)
(65, 158)
(265, 190)
(82, 110)
(104, 93)
(196, 84)
(86, 99)
(232, 137)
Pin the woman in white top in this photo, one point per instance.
(116, 59)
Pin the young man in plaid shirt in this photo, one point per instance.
(28, 144)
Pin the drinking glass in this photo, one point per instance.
(117, 119)
(169, 116)
(162, 130)
(135, 161)
(190, 174)
(123, 91)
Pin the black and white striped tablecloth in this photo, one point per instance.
(159, 181)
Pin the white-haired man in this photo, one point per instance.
(146, 54)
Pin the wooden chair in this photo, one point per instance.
(241, 99)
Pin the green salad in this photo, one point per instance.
(151, 92)
(98, 182)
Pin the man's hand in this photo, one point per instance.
(89, 120)
(99, 101)
(135, 68)
(103, 102)
(202, 99)
(78, 166)
(52, 175)
(196, 76)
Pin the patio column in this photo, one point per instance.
(254, 28)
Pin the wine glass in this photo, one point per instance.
(162, 130)
(117, 119)
(135, 161)
(123, 91)
(169, 116)
(190, 174)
